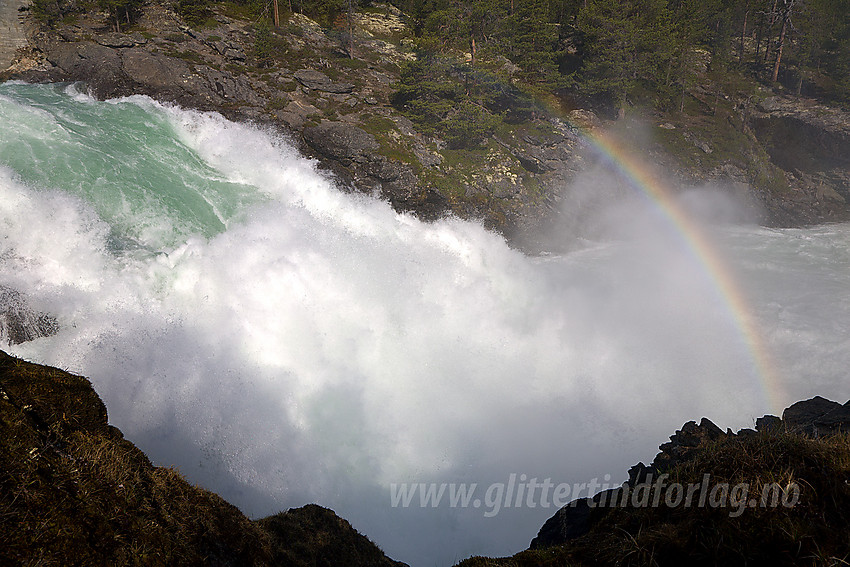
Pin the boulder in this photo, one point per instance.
(154, 71)
(768, 423)
(342, 142)
(319, 81)
(817, 417)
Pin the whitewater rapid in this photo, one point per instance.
(282, 342)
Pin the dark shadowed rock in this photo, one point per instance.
(342, 142)
(768, 423)
(319, 81)
(74, 490)
(639, 474)
(817, 416)
(19, 323)
(570, 522)
(836, 421)
(313, 535)
(683, 443)
(576, 518)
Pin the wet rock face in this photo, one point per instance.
(811, 142)
(19, 323)
(342, 142)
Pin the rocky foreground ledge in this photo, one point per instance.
(778, 494)
(71, 486)
(74, 491)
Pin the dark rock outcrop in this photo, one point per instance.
(313, 535)
(811, 143)
(818, 416)
(19, 323)
(342, 142)
(568, 523)
(74, 491)
(316, 80)
(685, 441)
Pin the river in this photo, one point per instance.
(282, 342)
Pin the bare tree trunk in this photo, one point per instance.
(744, 30)
(770, 27)
(785, 19)
(276, 15)
(350, 30)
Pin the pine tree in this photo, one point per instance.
(624, 43)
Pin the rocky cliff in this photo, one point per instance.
(73, 490)
(774, 495)
(337, 108)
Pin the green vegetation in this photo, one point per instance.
(51, 11)
(121, 11)
(263, 46)
(194, 11)
(393, 148)
(608, 52)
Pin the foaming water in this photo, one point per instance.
(282, 342)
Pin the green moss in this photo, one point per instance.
(277, 103)
(244, 11)
(451, 186)
(395, 149)
(175, 37)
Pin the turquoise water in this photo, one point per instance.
(128, 162)
(283, 342)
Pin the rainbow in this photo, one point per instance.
(705, 251)
(697, 241)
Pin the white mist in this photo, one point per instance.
(320, 346)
